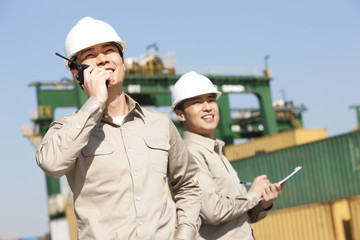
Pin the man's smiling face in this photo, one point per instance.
(200, 115)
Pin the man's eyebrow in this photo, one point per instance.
(196, 98)
(91, 48)
(86, 50)
(212, 96)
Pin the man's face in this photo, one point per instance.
(106, 56)
(200, 115)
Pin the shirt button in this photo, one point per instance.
(138, 198)
(95, 105)
(78, 127)
(135, 173)
(140, 223)
(129, 150)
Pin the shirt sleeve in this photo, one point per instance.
(218, 207)
(62, 144)
(186, 192)
(257, 213)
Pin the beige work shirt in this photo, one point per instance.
(119, 174)
(227, 208)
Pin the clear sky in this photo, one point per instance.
(314, 48)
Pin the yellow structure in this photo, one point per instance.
(70, 215)
(354, 204)
(274, 142)
(338, 220)
(341, 216)
(310, 222)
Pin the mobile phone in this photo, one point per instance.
(81, 68)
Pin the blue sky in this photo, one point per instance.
(314, 48)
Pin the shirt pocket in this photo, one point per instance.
(158, 152)
(98, 160)
(97, 149)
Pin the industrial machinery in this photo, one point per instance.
(150, 64)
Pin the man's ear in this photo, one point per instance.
(180, 115)
(124, 64)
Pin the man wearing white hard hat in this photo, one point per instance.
(118, 157)
(227, 208)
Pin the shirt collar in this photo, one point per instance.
(135, 110)
(133, 105)
(208, 143)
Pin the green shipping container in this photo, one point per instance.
(330, 170)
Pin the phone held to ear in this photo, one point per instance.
(81, 68)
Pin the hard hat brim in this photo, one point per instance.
(120, 44)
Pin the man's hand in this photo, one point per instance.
(269, 195)
(95, 82)
(259, 184)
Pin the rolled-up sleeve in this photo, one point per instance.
(61, 145)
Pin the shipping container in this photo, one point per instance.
(354, 203)
(275, 142)
(327, 221)
(310, 222)
(341, 219)
(330, 170)
(337, 220)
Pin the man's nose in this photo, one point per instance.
(101, 59)
(206, 106)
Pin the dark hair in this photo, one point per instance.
(179, 106)
(73, 66)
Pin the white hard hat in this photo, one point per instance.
(190, 85)
(88, 32)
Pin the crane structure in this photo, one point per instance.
(155, 90)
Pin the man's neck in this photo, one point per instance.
(117, 105)
(207, 134)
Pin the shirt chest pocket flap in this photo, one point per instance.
(158, 153)
(97, 148)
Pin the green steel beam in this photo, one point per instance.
(267, 112)
(357, 109)
(156, 90)
(226, 133)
